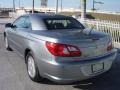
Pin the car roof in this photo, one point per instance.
(44, 15)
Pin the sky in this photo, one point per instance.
(109, 5)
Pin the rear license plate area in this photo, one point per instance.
(97, 67)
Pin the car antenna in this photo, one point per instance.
(93, 26)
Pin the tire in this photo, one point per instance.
(32, 68)
(7, 44)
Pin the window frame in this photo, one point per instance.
(62, 18)
(24, 22)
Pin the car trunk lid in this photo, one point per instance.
(90, 43)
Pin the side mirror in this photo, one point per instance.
(8, 25)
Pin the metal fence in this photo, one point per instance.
(110, 27)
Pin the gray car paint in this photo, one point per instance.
(34, 39)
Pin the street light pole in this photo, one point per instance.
(56, 7)
(94, 2)
(13, 5)
(33, 6)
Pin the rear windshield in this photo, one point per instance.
(62, 23)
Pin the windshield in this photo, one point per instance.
(62, 23)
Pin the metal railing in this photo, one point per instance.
(110, 27)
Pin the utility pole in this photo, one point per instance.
(61, 5)
(93, 5)
(33, 6)
(19, 4)
(0, 7)
(13, 5)
(56, 7)
(83, 9)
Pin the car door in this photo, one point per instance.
(13, 32)
(18, 33)
(23, 32)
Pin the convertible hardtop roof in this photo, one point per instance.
(42, 15)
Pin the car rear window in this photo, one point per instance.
(62, 23)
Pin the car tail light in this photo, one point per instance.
(62, 50)
(109, 46)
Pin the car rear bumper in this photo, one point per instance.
(71, 72)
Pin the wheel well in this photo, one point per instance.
(26, 52)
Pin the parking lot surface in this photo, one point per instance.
(13, 75)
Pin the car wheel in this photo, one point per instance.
(7, 44)
(32, 69)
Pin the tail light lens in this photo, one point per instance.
(109, 46)
(62, 50)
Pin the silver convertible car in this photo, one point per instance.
(59, 47)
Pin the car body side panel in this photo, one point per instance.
(21, 39)
(11, 34)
